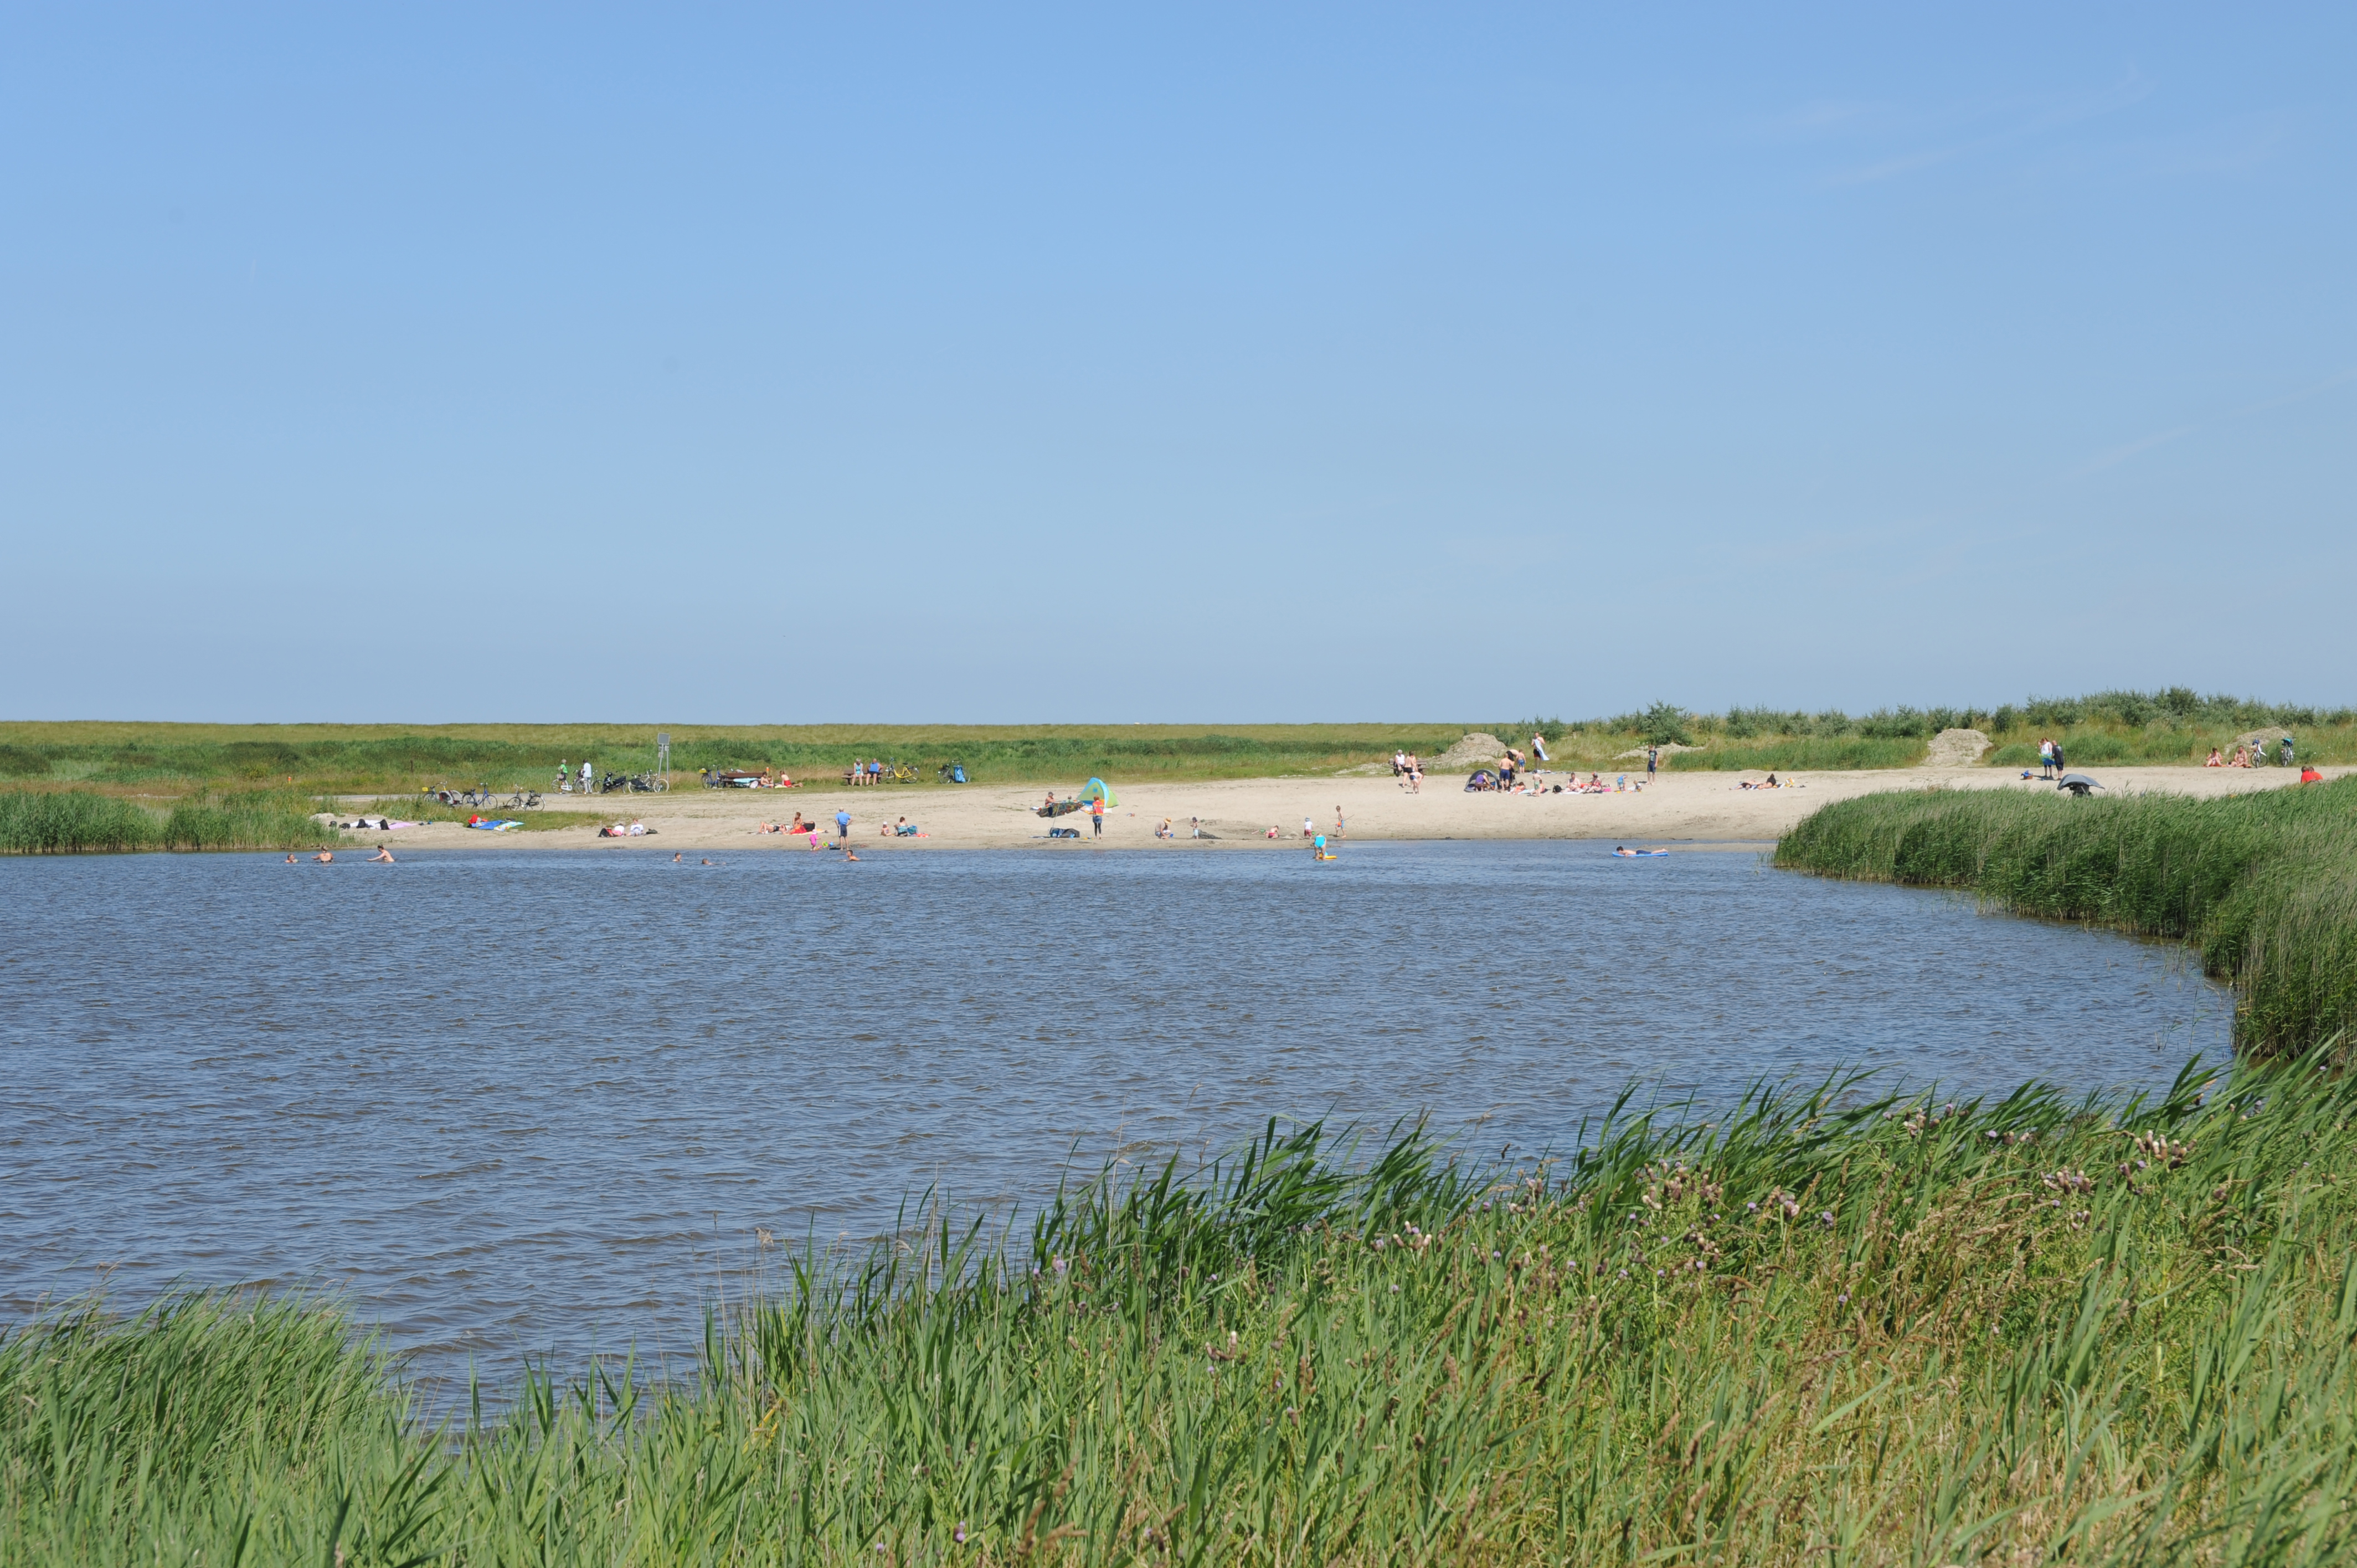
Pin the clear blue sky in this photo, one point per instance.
(1255, 363)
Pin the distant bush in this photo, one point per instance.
(1665, 725)
(1805, 754)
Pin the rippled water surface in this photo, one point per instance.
(531, 1101)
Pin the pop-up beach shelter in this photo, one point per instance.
(1094, 789)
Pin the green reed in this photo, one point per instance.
(2263, 885)
(1809, 1327)
(71, 821)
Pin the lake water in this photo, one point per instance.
(533, 1102)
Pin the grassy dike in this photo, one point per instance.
(1805, 1331)
(2264, 885)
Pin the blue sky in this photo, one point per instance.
(434, 363)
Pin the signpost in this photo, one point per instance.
(663, 759)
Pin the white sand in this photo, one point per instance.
(1700, 808)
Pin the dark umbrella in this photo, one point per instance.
(2077, 783)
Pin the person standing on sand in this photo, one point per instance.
(1337, 820)
(1306, 830)
(1652, 762)
(1096, 818)
(2045, 758)
(587, 774)
(843, 826)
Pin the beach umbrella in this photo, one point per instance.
(2077, 783)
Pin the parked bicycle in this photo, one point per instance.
(524, 800)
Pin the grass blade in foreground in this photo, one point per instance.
(1805, 1331)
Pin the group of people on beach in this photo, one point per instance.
(2251, 754)
(768, 779)
(814, 831)
(1408, 768)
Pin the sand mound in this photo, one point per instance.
(1956, 748)
(1667, 746)
(1477, 750)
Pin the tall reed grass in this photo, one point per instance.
(71, 822)
(2264, 885)
(1808, 1329)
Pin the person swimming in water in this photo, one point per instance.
(384, 855)
(324, 856)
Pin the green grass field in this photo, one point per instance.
(396, 759)
(163, 759)
(1809, 1329)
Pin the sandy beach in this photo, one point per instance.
(1694, 809)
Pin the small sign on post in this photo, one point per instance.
(663, 759)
